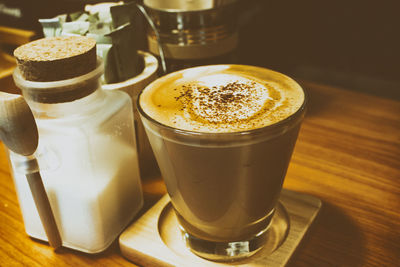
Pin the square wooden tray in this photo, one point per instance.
(155, 240)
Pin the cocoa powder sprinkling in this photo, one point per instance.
(232, 103)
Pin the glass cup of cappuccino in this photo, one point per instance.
(223, 136)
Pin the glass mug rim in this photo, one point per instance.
(275, 128)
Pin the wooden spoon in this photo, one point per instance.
(19, 133)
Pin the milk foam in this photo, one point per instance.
(222, 98)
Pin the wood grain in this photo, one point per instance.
(348, 155)
(15, 36)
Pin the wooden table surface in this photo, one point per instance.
(347, 154)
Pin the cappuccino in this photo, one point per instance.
(223, 136)
(222, 98)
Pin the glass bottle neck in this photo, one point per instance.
(62, 98)
(67, 109)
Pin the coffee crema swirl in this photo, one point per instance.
(222, 98)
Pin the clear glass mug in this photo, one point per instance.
(224, 186)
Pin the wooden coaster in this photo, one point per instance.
(155, 240)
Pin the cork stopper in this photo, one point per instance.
(56, 58)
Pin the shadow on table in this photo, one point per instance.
(333, 240)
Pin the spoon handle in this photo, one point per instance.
(43, 206)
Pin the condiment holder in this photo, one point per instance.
(133, 86)
(86, 150)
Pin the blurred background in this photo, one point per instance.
(352, 44)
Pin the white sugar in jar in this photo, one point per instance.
(87, 159)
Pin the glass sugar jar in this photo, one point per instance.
(87, 159)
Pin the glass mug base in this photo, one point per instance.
(230, 250)
(224, 251)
